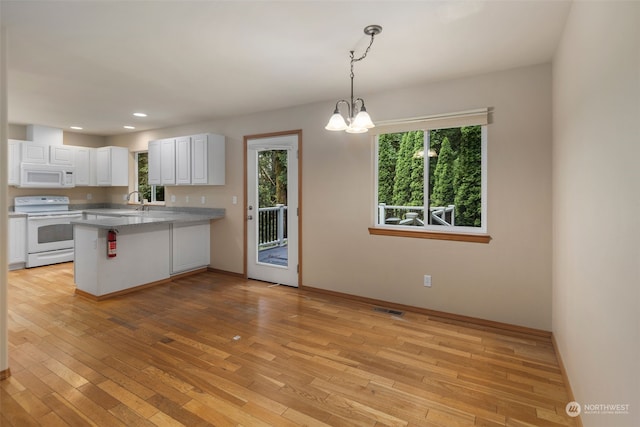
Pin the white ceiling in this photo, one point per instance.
(94, 63)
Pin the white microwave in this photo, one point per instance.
(34, 175)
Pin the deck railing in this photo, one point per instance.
(272, 229)
(414, 215)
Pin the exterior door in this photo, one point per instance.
(272, 209)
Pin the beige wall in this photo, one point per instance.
(596, 201)
(507, 280)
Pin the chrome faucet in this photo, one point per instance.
(139, 194)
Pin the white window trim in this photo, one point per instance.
(428, 124)
(136, 199)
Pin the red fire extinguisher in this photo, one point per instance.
(111, 243)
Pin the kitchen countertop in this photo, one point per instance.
(130, 217)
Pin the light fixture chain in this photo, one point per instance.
(364, 55)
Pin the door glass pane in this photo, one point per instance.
(272, 207)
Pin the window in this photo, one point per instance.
(152, 193)
(432, 178)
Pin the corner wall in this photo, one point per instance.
(596, 202)
(4, 221)
(507, 280)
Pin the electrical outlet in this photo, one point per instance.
(173, 198)
(427, 280)
(186, 199)
(89, 196)
(234, 200)
(202, 199)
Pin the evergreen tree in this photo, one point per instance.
(388, 145)
(417, 170)
(280, 173)
(436, 136)
(468, 179)
(402, 183)
(443, 193)
(405, 165)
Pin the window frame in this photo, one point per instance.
(430, 231)
(136, 187)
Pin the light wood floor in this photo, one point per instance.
(215, 350)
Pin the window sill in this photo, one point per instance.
(436, 235)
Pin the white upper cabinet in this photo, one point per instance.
(187, 160)
(13, 161)
(61, 155)
(112, 165)
(162, 161)
(183, 160)
(33, 152)
(207, 159)
(167, 161)
(154, 155)
(85, 166)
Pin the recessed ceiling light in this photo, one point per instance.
(129, 127)
(140, 114)
(75, 127)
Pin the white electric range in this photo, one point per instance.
(49, 228)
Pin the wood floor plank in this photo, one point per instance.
(211, 349)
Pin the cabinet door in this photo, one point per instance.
(33, 152)
(189, 247)
(208, 159)
(183, 160)
(112, 166)
(154, 160)
(103, 166)
(61, 155)
(199, 159)
(84, 160)
(13, 161)
(17, 240)
(168, 162)
(119, 166)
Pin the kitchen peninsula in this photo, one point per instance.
(152, 246)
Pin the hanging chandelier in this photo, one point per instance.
(358, 119)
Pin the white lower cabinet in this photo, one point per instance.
(17, 242)
(189, 246)
(14, 154)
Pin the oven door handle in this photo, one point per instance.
(37, 217)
